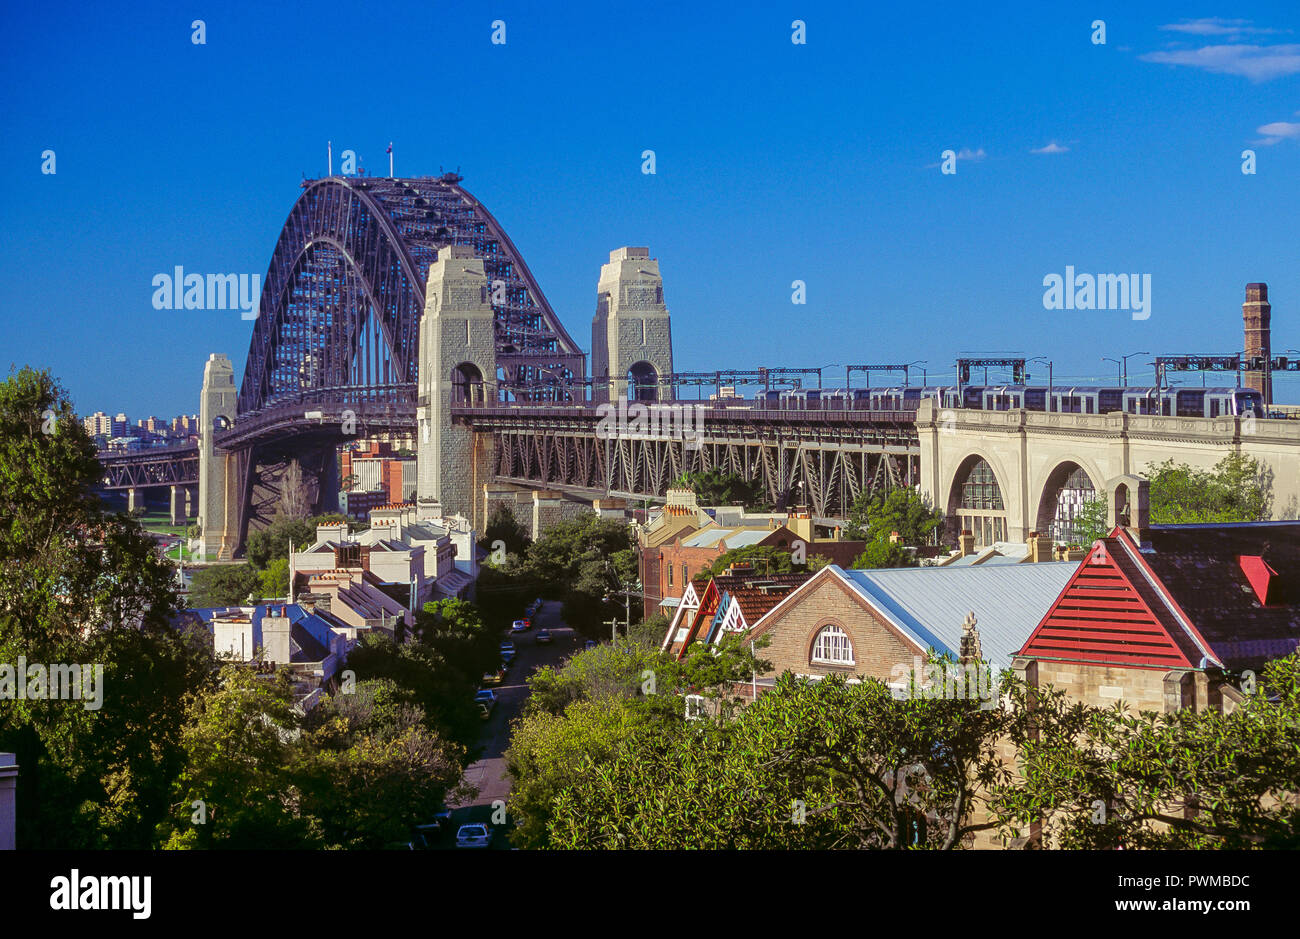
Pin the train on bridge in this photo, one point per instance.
(1064, 399)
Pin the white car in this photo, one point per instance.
(474, 835)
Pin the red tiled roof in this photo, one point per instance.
(1187, 592)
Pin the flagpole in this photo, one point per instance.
(330, 144)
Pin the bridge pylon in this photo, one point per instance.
(219, 489)
(630, 333)
(457, 365)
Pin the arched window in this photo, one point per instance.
(977, 505)
(980, 491)
(832, 647)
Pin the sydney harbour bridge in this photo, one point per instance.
(375, 280)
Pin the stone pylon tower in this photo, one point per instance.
(457, 365)
(219, 508)
(1256, 314)
(630, 332)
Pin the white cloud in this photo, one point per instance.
(1277, 131)
(1216, 26)
(1258, 63)
(1052, 147)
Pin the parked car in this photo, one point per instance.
(543, 636)
(507, 647)
(520, 626)
(474, 835)
(589, 644)
(484, 696)
(426, 837)
(484, 711)
(494, 678)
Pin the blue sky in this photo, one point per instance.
(775, 162)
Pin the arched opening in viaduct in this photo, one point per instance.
(975, 502)
(1067, 490)
(467, 384)
(642, 382)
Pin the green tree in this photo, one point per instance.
(714, 487)
(884, 553)
(503, 527)
(443, 691)
(584, 709)
(766, 559)
(239, 744)
(1090, 522)
(876, 514)
(1110, 778)
(371, 768)
(1235, 490)
(263, 547)
(275, 579)
(822, 764)
(78, 585)
(546, 750)
(583, 560)
(226, 585)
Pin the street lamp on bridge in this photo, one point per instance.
(1048, 363)
(1122, 365)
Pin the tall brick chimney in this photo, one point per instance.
(1256, 313)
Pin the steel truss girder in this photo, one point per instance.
(344, 291)
(565, 453)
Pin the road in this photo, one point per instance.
(489, 772)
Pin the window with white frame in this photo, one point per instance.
(832, 646)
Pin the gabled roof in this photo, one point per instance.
(1182, 599)
(929, 603)
(925, 606)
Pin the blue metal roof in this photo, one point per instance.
(929, 603)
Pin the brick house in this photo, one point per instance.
(726, 604)
(1167, 617)
(877, 622)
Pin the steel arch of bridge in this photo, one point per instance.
(344, 292)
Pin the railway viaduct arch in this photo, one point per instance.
(1033, 456)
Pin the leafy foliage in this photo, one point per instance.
(587, 710)
(1233, 491)
(1108, 778)
(1237, 489)
(819, 764)
(714, 487)
(875, 515)
(80, 586)
(227, 585)
(503, 527)
(358, 773)
(884, 553)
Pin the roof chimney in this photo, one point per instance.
(966, 542)
(1256, 313)
(1040, 547)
